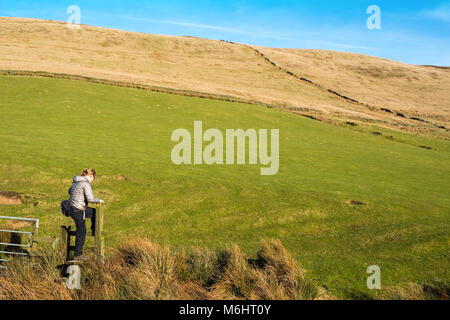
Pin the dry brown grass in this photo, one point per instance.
(9, 198)
(208, 67)
(274, 275)
(414, 90)
(141, 269)
(409, 291)
(414, 291)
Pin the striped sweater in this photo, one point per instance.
(81, 193)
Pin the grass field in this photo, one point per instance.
(51, 129)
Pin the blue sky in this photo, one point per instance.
(416, 32)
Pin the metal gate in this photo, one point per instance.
(27, 246)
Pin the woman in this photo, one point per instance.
(80, 196)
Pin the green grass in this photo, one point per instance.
(51, 129)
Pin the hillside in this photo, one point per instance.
(342, 200)
(236, 70)
(421, 91)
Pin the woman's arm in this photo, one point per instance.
(89, 194)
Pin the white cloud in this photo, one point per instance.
(259, 34)
(188, 24)
(441, 13)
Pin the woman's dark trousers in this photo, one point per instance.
(80, 222)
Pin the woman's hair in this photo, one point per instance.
(89, 172)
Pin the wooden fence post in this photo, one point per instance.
(64, 241)
(99, 239)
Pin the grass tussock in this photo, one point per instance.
(414, 291)
(141, 269)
